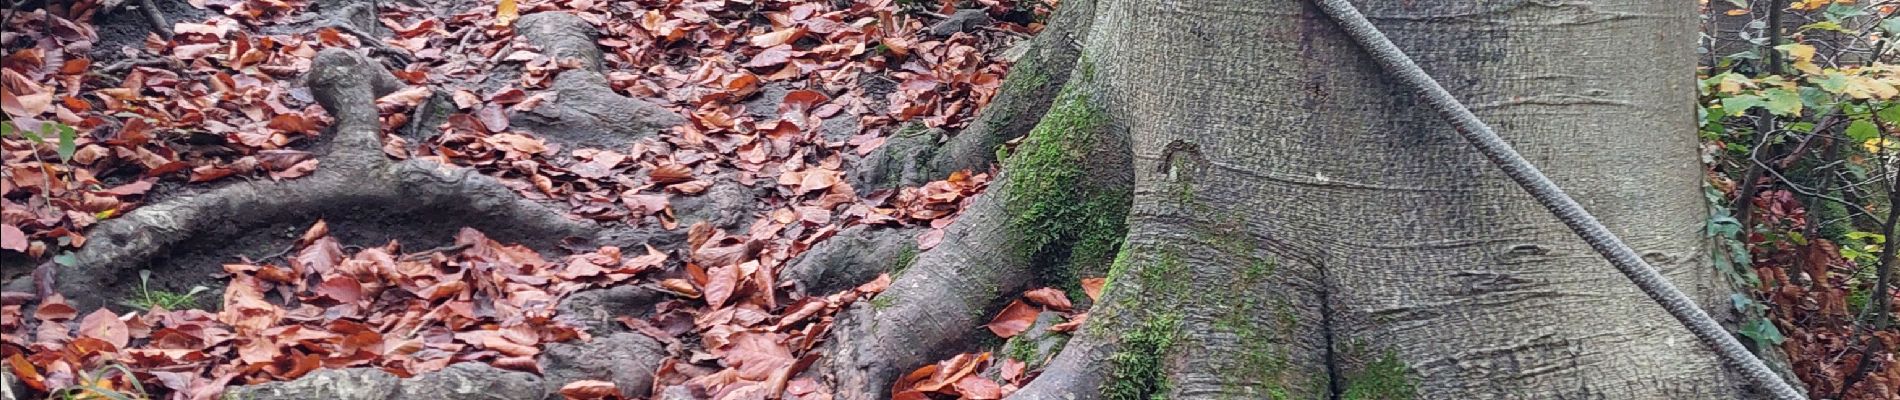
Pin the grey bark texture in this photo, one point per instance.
(1302, 225)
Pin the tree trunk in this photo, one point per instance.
(1301, 227)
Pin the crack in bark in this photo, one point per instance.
(1335, 382)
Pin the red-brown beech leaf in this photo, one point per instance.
(1053, 298)
(12, 238)
(671, 173)
(341, 288)
(26, 372)
(588, 390)
(1093, 287)
(130, 189)
(292, 123)
(106, 326)
(55, 309)
(1013, 320)
(722, 280)
(1074, 322)
(975, 387)
(776, 38)
(492, 117)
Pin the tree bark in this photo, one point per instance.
(1302, 227)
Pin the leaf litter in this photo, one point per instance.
(220, 100)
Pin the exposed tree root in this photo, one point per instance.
(1053, 216)
(1028, 91)
(856, 255)
(354, 177)
(933, 308)
(586, 110)
(913, 158)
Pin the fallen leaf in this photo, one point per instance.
(106, 326)
(1053, 298)
(1093, 288)
(589, 389)
(505, 13)
(1014, 319)
(12, 238)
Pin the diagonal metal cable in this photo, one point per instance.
(1553, 198)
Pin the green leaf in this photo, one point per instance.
(1783, 101)
(1762, 331)
(1862, 130)
(1827, 26)
(1891, 25)
(66, 259)
(68, 142)
(1737, 105)
(1832, 82)
(1891, 113)
(1858, 235)
(1816, 100)
(1741, 301)
(1837, 12)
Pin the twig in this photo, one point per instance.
(1764, 120)
(276, 255)
(1811, 193)
(420, 255)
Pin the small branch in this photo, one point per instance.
(424, 255)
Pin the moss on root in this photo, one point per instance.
(1067, 223)
(1138, 370)
(905, 258)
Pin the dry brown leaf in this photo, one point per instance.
(588, 390)
(104, 325)
(1053, 298)
(1013, 320)
(671, 173)
(1093, 288)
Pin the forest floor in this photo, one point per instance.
(702, 147)
(747, 118)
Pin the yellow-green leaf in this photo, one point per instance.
(505, 13)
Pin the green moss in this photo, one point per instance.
(883, 301)
(1384, 379)
(1027, 76)
(912, 129)
(905, 258)
(1021, 348)
(1062, 219)
(1137, 371)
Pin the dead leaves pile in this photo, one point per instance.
(977, 376)
(215, 101)
(1807, 287)
(475, 301)
(706, 60)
